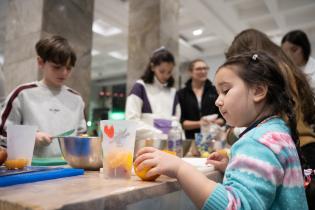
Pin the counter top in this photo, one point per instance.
(89, 191)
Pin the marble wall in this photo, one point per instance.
(151, 24)
(23, 30)
(28, 21)
(74, 22)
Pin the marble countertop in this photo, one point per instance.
(89, 191)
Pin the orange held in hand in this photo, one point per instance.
(143, 173)
(223, 152)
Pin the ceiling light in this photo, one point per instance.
(1, 60)
(95, 52)
(105, 29)
(197, 32)
(118, 55)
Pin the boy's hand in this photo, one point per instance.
(158, 161)
(42, 139)
(218, 160)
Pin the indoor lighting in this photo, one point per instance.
(118, 55)
(95, 52)
(197, 32)
(105, 29)
(116, 115)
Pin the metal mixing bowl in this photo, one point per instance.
(159, 144)
(82, 152)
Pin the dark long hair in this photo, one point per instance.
(299, 87)
(258, 68)
(158, 57)
(299, 38)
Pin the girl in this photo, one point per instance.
(263, 171)
(152, 98)
(298, 47)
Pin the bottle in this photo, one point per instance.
(175, 142)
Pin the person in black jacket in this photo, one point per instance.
(197, 99)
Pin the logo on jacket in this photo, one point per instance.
(54, 110)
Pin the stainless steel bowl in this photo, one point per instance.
(82, 152)
(159, 144)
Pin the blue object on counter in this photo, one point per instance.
(39, 176)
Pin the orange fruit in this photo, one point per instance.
(169, 151)
(223, 152)
(143, 173)
(16, 164)
(3, 155)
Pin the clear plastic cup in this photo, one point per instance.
(20, 143)
(118, 147)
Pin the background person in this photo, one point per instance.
(197, 99)
(153, 97)
(297, 46)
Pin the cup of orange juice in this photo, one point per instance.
(118, 147)
(20, 145)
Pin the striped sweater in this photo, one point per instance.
(264, 172)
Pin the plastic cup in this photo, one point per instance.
(20, 142)
(118, 147)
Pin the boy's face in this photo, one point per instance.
(54, 75)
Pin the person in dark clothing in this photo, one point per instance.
(197, 99)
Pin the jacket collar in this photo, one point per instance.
(208, 84)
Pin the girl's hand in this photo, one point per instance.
(158, 161)
(219, 161)
(42, 139)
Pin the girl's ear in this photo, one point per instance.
(260, 92)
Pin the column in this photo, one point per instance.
(28, 21)
(152, 24)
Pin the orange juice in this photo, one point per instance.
(118, 164)
(16, 164)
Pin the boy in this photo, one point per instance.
(50, 105)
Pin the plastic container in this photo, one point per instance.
(118, 147)
(20, 145)
(175, 141)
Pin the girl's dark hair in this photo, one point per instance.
(156, 59)
(301, 91)
(299, 38)
(259, 68)
(192, 63)
(56, 49)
